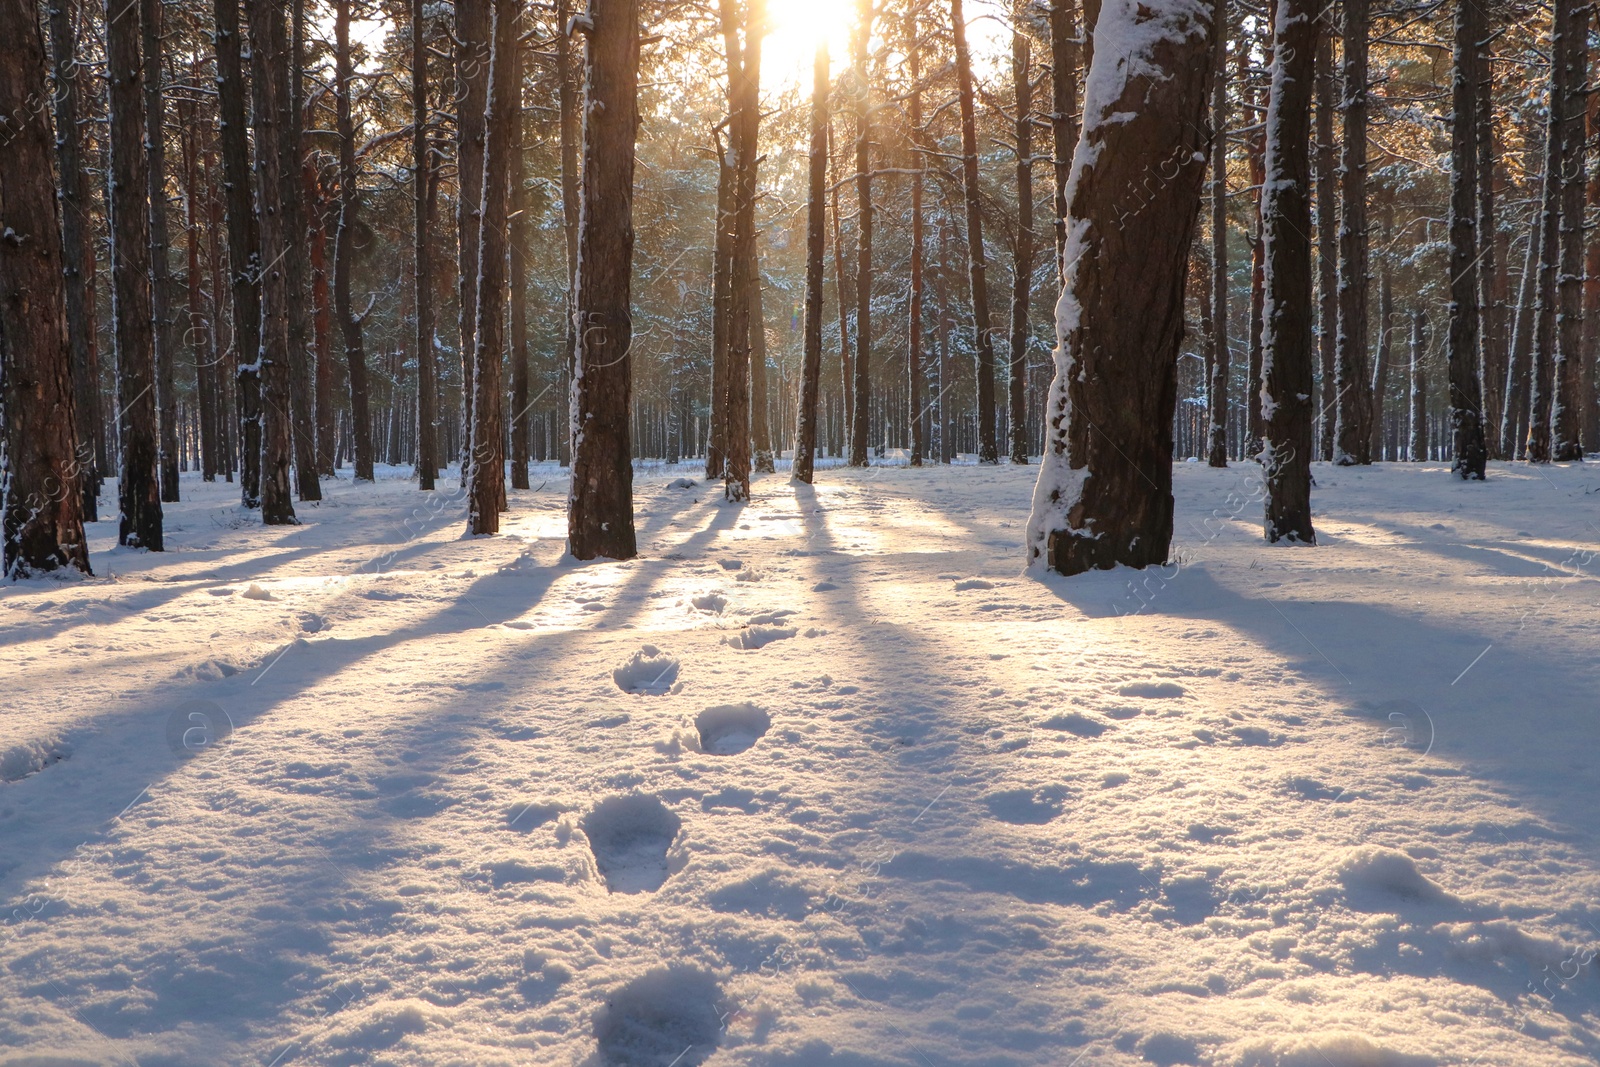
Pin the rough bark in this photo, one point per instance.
(344, 249)
(422, 256)
(486, 480)
(744, 123)
(1063, 113)
(1217, 387)
(302, 373)
(805, 434)
(1566, 410)
(269, 62)
(1120, 317)
(600, 509)
(977, 264)
(1022, 251)
(1255, 158)
(1288, 346)
(1353, 407)
(1491, 263)
(139, 488)
(1462, 340)
(166, 341)
(41, 498)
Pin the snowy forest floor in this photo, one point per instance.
(819, 780)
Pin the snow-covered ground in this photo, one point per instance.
(820, 780)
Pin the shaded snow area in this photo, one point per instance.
(819, 780)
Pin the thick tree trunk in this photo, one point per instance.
(1567, 404)
(1353, 409)
(518, 281)
(139, 490)
(744, 123)
(1417, 449)
(302, 404)
(1462, 340)
(1591, 301)
(41, 498)
(1022, 253)
(1063, 113)
(244, 259)
(600, 510)
(344, 248)
(977, 265)
(1120, 317)
(422, 255)
(1288, 346)
(805, 433)
(861, 421)
(1327, 246)
(166, 341)
(77, 254)
(486, 480)
(472, 94)
(1217, 386)
(915, 377)
(269, 61)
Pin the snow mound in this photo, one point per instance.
(1152, 690)
(649, 672)
(378, 1026)
(754, 637)
(1076, 723)
(1326, 1050)
(729, 729)
(682, 483)
(973, 583)
(30, 757)
(255, 592)
(713, 602)
(670, 1017)
(1369, 871)
(630, 836)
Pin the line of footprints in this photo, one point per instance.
(671, 1015)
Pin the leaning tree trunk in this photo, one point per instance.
(1544, 333)
(1287, 340)
(269, 55)
(244, 261)
(1022, 253)
(155, 147)
(1567, 403)
(914, 372)
(1462, 339)
(472, 94)
(41, 499)
(344, 248)
(422, 255)
(1417, 449)
(1327, 247)
(977, 266)
(1353, 407)
(1217, 387)
(1120, 316)
(861, 422)
(517, 263)
(600, 507)
(139, 489)
(805, 433)
(77, 253)
(486, 479)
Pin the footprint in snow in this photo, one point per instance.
(630, 836)
(729, 729)
(649, 672)
(669, 1017)
(1025, 807)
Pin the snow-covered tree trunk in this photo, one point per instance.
(600, 507)
(41, 500)
(1353, 384)
(1287, 344)
(1462, 340)
(721, 296)
(761, 458)
(129, 222)
(1133, 196)
(805, 434)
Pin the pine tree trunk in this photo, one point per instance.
(139, 489)
(344, 250)
(1491, 264)
(1417, 448)
(472, 94)
(1120, 316)
(196, 330)
(977, 265)
(150, 26)
(847, 384)
(1382, 362)
(41, 498)
(269, 62)
(518, 280)
(947, 366)
(302, 404)
(244, 257)
(320, 297)
(1462, 339)
(600, 511)
(486, 480)
(1063, 114)
(422, 255)
(1591, 301)
(760, 425)
(1255, 152)
(1567, 406)
(1217, 386)
(1022, 253)
(721, 297)
(744, 122)
(860, 425)
(805, 433)
(1327, 247)
(1353, 414)
(567, 96)
(77, 255)
(914, 370)
(1288, 345)
(1544, 334)
(1514, 420)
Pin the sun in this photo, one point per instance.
(796, 27)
